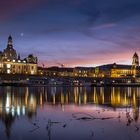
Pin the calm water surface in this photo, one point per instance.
(69, 113)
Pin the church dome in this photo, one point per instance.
(10, 52)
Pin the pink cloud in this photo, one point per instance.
(99, 59)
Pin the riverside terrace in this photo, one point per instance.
(37, 80)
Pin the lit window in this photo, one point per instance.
(1, 65)
(32, 72)
(8, 71)
(8, 66)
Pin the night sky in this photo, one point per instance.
(72, 32)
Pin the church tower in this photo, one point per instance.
(135, 61)
(135, 64)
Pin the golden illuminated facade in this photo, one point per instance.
(104, 71)
(10, 62)
(119, 71)
(84, 71)
(67, 72)
(115, 71)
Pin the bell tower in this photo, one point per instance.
(135, 64)
(135, 61)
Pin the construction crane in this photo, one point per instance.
(60, 64)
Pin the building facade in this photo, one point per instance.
(11, 63)
(118, 70)
(110, 70)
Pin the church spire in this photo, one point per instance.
(10, 42)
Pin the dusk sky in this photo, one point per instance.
(72, 32)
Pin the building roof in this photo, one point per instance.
(114, 66)
(60, 69)
(84, 68)
(135, 55)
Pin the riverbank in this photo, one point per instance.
(36, 80)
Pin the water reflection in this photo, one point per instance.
(24, 101)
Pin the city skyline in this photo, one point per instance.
(72, 32)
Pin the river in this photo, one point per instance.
(69, 113)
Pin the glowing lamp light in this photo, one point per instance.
(19, 61)
(14, 60)
(8, 66)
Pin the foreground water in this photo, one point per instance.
(69, 113)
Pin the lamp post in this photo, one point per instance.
(43, 69)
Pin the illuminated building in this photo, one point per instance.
(56, 71)
(67, 72)
(118, 71)
(84, 71)
(11, 63)
(114, 70)
(104, 71)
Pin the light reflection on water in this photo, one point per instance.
(67, 113)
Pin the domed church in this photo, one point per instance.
(11, 63)
(9, 52)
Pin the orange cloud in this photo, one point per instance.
(122, 58)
